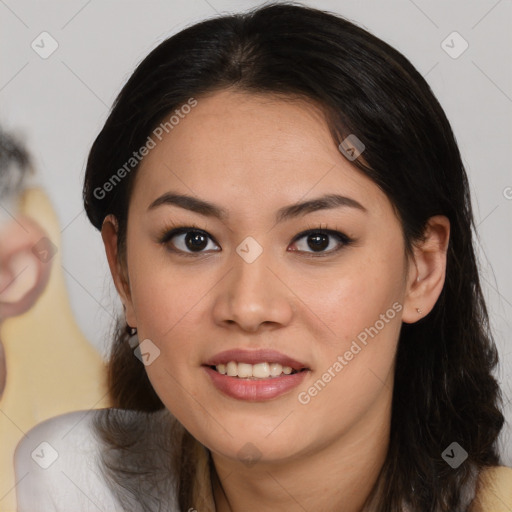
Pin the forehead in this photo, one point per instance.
(244, 149)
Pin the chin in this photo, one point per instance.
(254, 442)
(251, 451)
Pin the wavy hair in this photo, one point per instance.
(444, 387)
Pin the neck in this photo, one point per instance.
(338, 477)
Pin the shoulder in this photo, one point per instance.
(56, 467)
(494, 491)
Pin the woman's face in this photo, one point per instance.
(246, 282)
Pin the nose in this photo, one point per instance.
(252, 295)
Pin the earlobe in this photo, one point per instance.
(109, 234)
(427, 270)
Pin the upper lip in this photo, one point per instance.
(255, 357)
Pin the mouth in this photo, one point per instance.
(257, 371)
(255, 375)
(257, 364)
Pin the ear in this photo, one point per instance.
(427, 270)
(25, 265)
(109, 234)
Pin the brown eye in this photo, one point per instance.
(195, 241)
(318, 241)
(187, 240)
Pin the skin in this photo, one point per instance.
(253, 155)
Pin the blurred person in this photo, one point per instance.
(23, 274)
(42, 353)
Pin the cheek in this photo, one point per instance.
(354, 297)
(360, 310)
(362, 319)
(169, 304)
(164, 295)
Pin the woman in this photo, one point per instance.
(287, 221)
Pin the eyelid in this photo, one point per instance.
(172, 231)
(342, 238)
(316, 229)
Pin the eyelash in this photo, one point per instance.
(169, 232)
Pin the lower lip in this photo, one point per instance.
(255, 390)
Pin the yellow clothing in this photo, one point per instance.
(495, 490)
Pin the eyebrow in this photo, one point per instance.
(207, 209)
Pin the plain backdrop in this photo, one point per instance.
(58, 105)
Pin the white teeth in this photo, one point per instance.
(232, 369)
(258, 371)
(244, 370)
(276, 369)
(261, 371)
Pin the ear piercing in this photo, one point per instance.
(133, 340)
(418, 311)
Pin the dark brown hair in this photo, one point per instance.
(444, 388)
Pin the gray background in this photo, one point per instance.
(59, 104)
